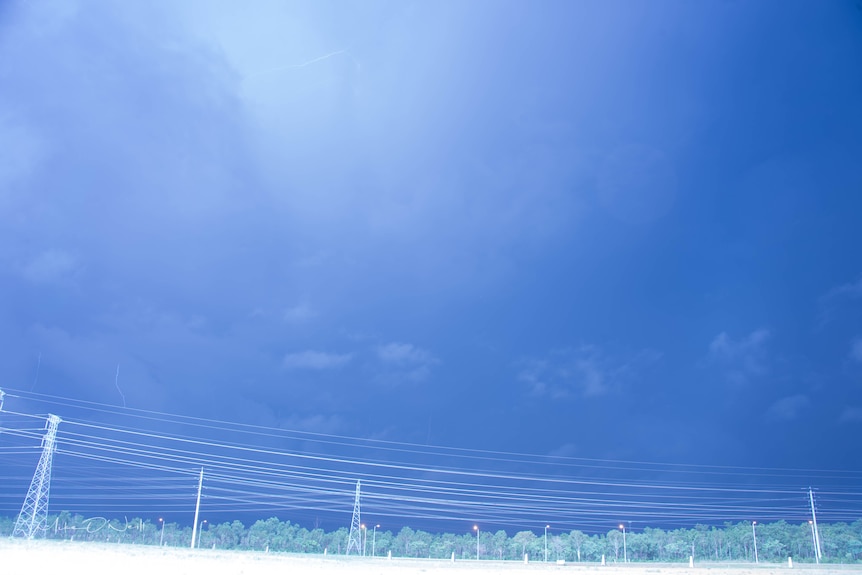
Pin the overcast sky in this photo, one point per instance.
(616, 230)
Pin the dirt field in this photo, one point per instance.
(72, 558)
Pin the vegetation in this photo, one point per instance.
(840, 542)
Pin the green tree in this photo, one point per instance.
(523, 540)
(577, 538)
(401, 545)
(615, 539)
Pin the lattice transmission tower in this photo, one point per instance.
(354, 538)
(34, 512)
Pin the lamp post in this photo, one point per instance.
(200, 531)
(162, 537)
(546, 543)
(754, 534)
(374, 540)
(476, 529)
(625, 552)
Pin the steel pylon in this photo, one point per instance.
(34, 512)
(354, 538)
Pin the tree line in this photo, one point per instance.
(840, 542)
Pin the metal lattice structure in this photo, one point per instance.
(354, 538)
(34, 512)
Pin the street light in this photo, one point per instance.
(162, 538)
(374, 540)
(476, 529)
(546, 542)
(625, 552)
(754, 534)
(200, 532)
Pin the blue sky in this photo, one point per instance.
(614, 230)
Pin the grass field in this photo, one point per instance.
(19, 557)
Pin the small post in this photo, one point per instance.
(389, 556)
(691, 560)
(790, 562)
(603, 559)
(526, 558)
(453, 557)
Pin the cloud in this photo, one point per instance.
(299, 313)
(856, 349)
(50, 266)
(850, 415)
(852, 290)
(90, 360)
(836, 297)
(315, 423)
(741, 359)
(724, 347)
(404, 363)
(586, 371)
(318, 360)
(398, 377)
(788, 408)
(403, 353)
(22, 151)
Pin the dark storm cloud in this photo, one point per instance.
(358, 217)
(134, 204)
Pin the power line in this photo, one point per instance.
(254, 477)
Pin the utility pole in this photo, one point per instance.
(197, 507)
(818, 553)
(355, 535)
(34, 512)
(814, 541)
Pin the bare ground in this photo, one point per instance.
(19, 557)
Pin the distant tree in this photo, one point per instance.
(312, 541)
(420, 546)
(7, 524)
(264, 534)
(523, 540)
(841, 542)
(615, 539)
(402, 542)
(577, 538)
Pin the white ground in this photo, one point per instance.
(18, 557)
